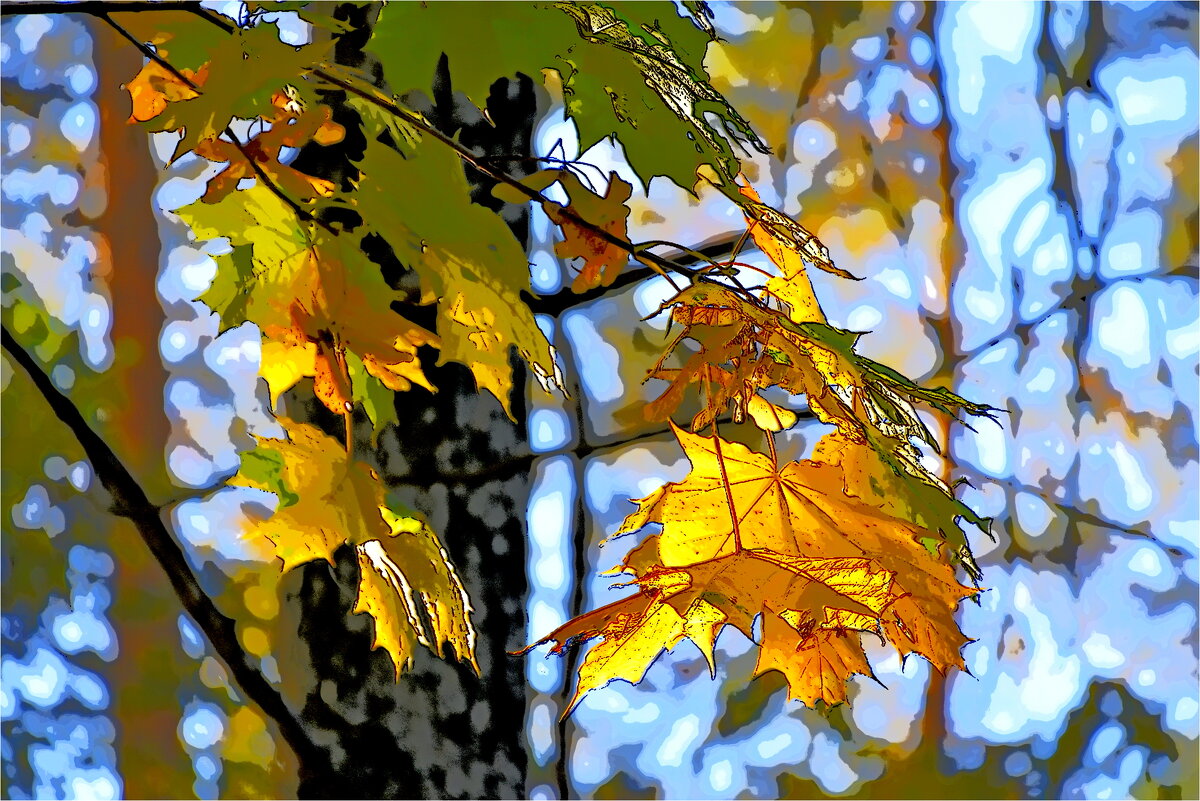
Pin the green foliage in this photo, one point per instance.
(633, 71)
(269, 244)
(465, 255)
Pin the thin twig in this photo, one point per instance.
(149, 53)
(662, 265)
(94, 7)
(657, 264)
(130, 501)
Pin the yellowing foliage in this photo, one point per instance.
(741, 537)
(862, 537)
(326, 500)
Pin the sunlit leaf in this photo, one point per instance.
(406, 579)
(466, 258)
(742, 537)
(326, 499)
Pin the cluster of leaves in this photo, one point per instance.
(861, 538)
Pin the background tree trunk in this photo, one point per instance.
(440, 731)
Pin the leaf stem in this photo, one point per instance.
(737, 534)
(737, 248)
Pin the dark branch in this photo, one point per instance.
(657, 263)
(130, 501)
(560, 302)
(93, 7)
(149, 53)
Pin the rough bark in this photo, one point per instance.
(441, 731)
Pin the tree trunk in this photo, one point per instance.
(440, 731)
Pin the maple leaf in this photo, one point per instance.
(746, 346)
(321, 304)
(349, 312)
(630, 646)
(292, 126)
(624, 69)
(786, 242)
(326, 499)
(234, 75)
(742, 537)
(697, 602)
(155, 86)
(602, 260)
(768, 416)
(183, 40)
(192, 48)
(816, 666)
(405, 579)
(468, 261)
(928, 501)
(793, 286)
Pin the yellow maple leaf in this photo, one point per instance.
(627, 654)
(816, 666)
(786, 241)
(407, 583)
(407, 576)
(742, 537)
(769, 416)
(283, 362)
(332, 314)
(482, 318)
(746, 346)
(325, 499)
(793, 287)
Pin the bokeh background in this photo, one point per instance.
(1016, 183)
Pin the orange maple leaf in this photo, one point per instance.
(602, 260)
(155, 86)
(290, 127)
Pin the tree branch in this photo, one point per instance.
(93, 7)
(657, 263)
(559, 302)
(130, 501)
(301, 212)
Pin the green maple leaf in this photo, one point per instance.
(630, 70)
